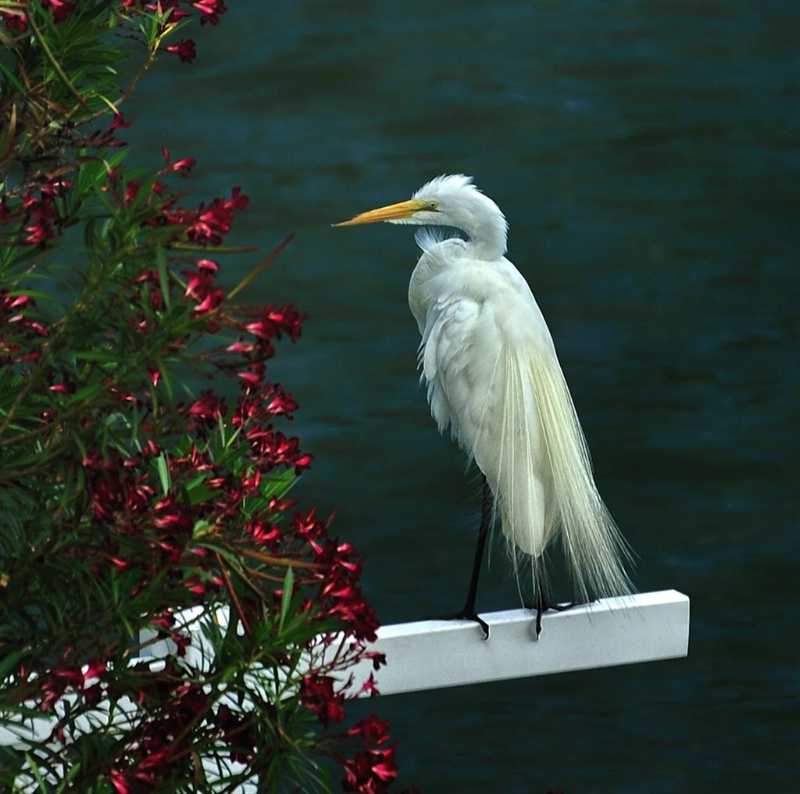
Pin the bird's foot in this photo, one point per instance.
(545, 606)
(565, 607)
(470, 614)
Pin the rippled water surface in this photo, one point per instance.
(647, 156)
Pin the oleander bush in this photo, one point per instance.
(169, 617)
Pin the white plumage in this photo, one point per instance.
(494, 380)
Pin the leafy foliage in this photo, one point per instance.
(168, 620)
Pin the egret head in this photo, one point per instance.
(447, 200)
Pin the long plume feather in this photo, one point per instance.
(544, 461)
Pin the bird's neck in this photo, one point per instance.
(486, 229)
(487, 246)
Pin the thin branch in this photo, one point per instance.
(232, 592)
(54, 63)
(259, 268)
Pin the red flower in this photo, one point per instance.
(106, 138)
(252, 380)
(119, 121)
(66, 675)
(308, 526)
(55, 187)
(370, 772)
(339, 589)
(243, 348)
(202, 289)
(184, 166)
(40, 213)
(280, 403)
(206, 410)
(378, 660)
(208, 225)
(264, 532)
(369, 685)
(373, 729)
(185, 50)
(15, 19)
(274, 321)
(210, 9)
(39, 232)
(131, 192)
(61, 8)
(112, 490)
(317, 695)
(119, 782)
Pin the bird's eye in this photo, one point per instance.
(433, 206)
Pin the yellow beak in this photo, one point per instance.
(394, 212)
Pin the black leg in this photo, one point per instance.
(543, 604)
(541, 599)
(468, 613)
(483, 532)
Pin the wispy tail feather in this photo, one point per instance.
(595, 549)
(540, 473)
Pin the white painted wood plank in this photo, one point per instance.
(433, 654)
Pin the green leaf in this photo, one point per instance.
(87, 392)
(163, 276)
(162, 462)
(198, 491)
(279, 484)
(286, 598)
(9, 75)
(8, 663)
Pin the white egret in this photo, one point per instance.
(494, 380)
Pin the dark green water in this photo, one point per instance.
(647, 155)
